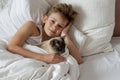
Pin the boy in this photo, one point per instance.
(56, 22)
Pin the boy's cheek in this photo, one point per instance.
(59, 32)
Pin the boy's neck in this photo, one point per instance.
(44, 35)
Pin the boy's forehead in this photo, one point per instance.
(59, 17)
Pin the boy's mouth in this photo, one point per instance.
(52, 31)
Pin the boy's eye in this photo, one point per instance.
(60, 26)
(52, 21)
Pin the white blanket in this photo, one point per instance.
(16, 67)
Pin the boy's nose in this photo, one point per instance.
(55, 27)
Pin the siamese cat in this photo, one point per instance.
(54, 45)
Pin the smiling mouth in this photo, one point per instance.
(51, 31)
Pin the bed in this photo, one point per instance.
(95, 33)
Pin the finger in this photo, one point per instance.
(62, 58)
(70, 24)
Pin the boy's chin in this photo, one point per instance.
(51, 35)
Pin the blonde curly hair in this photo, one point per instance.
(65, 9)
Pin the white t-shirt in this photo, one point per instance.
(35, 40)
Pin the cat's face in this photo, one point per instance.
(54, 45)
(58, 44)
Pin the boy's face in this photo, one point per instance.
(54, 24)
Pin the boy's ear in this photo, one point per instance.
(44, 18)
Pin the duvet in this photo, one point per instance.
(16, 67)
(102, 66)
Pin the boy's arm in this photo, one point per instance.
(73, 49)
(71, 46)
(16, 45)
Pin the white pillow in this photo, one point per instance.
(93, 20)
(77, 37)
(2, 4)
(96, 20)
(18, 12)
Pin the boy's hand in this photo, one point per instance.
(66, 29)
(53, 58)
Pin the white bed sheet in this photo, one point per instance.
(116, 43)
(103, 66)
(16, 67)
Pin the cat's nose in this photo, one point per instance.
(61, 49)
(53, 42)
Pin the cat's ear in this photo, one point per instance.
(63, 37)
